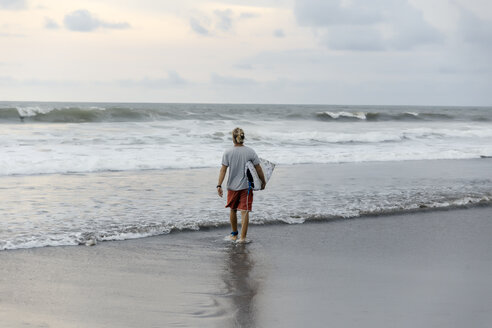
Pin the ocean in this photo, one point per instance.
(75, 172)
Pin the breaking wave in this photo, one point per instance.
(375, 116)
(114, 112)
(126, 232)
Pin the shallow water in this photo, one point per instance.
(71, 209)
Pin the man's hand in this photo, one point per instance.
(222, 174)
(260, 175)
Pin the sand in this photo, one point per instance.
(429, 269)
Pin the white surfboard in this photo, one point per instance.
(252, 175)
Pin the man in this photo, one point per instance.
(239, 195)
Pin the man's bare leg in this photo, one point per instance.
(233, 219)
(244, 225)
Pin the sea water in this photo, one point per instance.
(73, 172)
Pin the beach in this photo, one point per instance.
(429, 269)
(352, 138)
(374, 216)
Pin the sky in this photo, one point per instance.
(378, 52)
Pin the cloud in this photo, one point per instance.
(7, 80)
(218, 21)
(475, 30)
(12, 35)
(224, 19)
(34, 82)
(367, 25)
(173, 79)
(197, 27)
(244, 66)
(410, 29)
(83, 21)
(331, 12)
(248, 15)
(13, 4)
(50, 24)
(279, 33)
(356, 38)
(232, 80)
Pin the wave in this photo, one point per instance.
(115, 112)
(342, 115)
(83, 115)
(382, 116)
(9, 114)
(96, 114)
(126, 232)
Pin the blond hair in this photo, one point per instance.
(238, 135)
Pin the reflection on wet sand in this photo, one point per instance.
(240, 286)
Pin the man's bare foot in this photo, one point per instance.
(243, 241)
(232, 237)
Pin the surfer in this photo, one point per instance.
(239, 195)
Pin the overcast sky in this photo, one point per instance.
(415, 52)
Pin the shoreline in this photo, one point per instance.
(427, 269)
(312, 220)
(73, 209)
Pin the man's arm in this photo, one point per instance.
(222, 174)
(261, 175)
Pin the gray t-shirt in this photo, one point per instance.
(235, 158)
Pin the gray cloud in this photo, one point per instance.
(356, 38)
(232, 80)
(331, 12)
(475, 30)
(248, 15)
(50, 24)
(356, 26)
(83, 21)
(197, 27)
(220, 21)
(173, 79)
(279, 33)
(410, 28)
(7, 80)
(224, 19)
(13, 4)
(33, 82)
(244, 66)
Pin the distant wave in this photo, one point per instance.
(114, 112)
(382, 116)
(9, 114)
(99, 114)
(81, 115)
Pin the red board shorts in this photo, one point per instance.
(240, 200)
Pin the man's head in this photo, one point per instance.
(238, 136)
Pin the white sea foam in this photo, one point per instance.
(337, 115)
(32, 110)
(53, 148)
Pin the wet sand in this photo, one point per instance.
(428, 269)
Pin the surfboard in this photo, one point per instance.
(252, 175)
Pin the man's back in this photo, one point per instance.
(235, 158)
